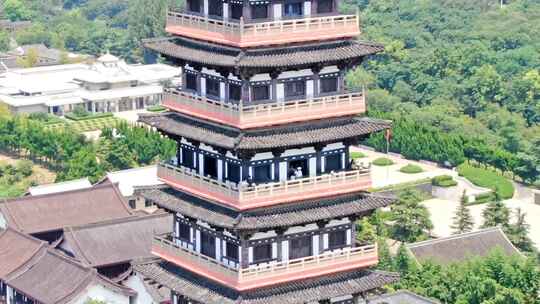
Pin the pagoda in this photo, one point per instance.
(264, 194)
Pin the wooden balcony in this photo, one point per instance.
(252, 116)
(264, 33)
(248, 197)
(268, 274)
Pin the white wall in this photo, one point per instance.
(101, 293)
(143, 297)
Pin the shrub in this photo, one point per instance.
(487, 179)
(72, 116)
(24, 167)
(80, 111)
(483, 198)
(411, 169)
(156, 108)
(443, 181)
(357, 154)
(382, 161)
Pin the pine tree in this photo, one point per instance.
(366, 232)
(463, 220)
(385, 258)
(496, 214)
(518, 232)
(411, 218)
(403, 262)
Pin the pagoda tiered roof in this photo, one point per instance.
(205, 291)
(285, 136)
(298, 213)
(292, 56)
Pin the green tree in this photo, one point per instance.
(463, 220)
(496, 214)
(385, 258)
(83, 164)
(4, 41)
(366, 232)
(410, 218)
(16, 10)
(518, 232)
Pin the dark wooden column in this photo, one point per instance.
(198, 68)
(274, 76)
(244, 260)
(316, 79)
(318, 156)
(277, 154)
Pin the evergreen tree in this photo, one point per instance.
(385, 258)
(518, 232)
(410, 217)
(403, 262)
(366, 232)
(463, 220)
(496, 214)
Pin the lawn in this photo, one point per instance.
(487, 179)
(87, 125)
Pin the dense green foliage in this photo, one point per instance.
(411, 220)
(72, 156)
(443, 181)
(460, 79)
(14, 178)
(90, 26)
(411, 169)
(462, 220)
(495, 279)
(487, 179)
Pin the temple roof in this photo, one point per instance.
(458, 248)
(289, 56)
(16, 248)
(204, 291)
(52, 278)
(52, 212)
(285, 136)
(116, 241)
(401, 297)
(268, 217)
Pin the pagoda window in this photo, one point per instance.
(191, 82)
(295, 88)
(184, 232)
(298, 168)
(235, 92)
(208, 245)
(293, 9)
(194, 5)
(236, 11)
(262, 253)
(212, 87)
(188, 159)
(210, 166)
(325, 6)
(259, 11)
(300, 247)
(337, 239)
(329, 85)
(231, 251)
(260, 92)
(233, 172)
(262, 173)
(215, 8)
(332, 163)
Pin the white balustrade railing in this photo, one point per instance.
(164, 242)
(242, 114)
(246, 30)
(245, 192)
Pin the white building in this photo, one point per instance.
(108, 85)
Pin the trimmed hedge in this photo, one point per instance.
(487, 179)
(89, 117)
(411, 169)
(357, 154)
(483, 198)
(443, 181)
(156, 108)
(382, 161)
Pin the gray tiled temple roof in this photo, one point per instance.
(16, 248)
(205, 291)
(401, 297)
(458, 248)
(270, 217)
(53, 212)
(287, 136)
(290, 56)
(116, 241)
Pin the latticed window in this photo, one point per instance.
(337, 239)
(208, 245)
(261, 92)
(212, 87)
(188, 159)
(233, 172)
(295, 88)
(300, 248)
(262, 174)
(262, 253)
(184, 232)
(215, 8)
(293, 9)
(329, 84)
(194, 5)
(259, 11)
(232, 251)
(191, 82)
(235, 92)
(332, 163)
(325, 6)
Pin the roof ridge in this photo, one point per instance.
(34, 197)
(123, 220)
(455, 237)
